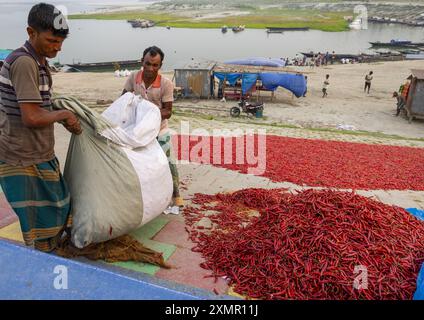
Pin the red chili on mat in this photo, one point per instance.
(342, 165)
(309, 245)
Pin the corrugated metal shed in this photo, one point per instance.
(418, 73)
(415, 103)
(198, 65)
(196, 79)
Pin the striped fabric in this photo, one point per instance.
(39, 196)
(20, 145)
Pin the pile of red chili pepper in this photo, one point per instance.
(335, 164)
(314, 244)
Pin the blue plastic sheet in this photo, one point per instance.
(248, 81)
(257, 61)
(295, 83)
(416, 213)
(419, 293)
(231, 77)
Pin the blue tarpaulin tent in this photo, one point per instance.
(295, 83)
(248, 81)
(230, 77)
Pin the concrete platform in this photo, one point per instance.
(33, 275)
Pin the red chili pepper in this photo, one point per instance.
(290, 252)
(313, 162)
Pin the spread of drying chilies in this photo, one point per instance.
(314, 244)
(334, 164)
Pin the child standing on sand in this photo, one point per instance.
(325, 86)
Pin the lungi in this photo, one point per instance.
(40, 198)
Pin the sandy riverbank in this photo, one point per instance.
(346, 104)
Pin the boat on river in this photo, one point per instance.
(238, 28)
(281, 30)
(396, 43)
(105, 66)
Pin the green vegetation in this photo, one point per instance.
(255, 18)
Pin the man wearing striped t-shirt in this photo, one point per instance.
(29, 171)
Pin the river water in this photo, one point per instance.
(96, 40)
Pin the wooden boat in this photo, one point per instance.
(139, 23)
(105, 66)
(390, 56)
(415, 56)
(280, 30)
(382, 57)
(409, 51)
(337, 56)
(238, 29)
(412, 23)
(397, 43)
